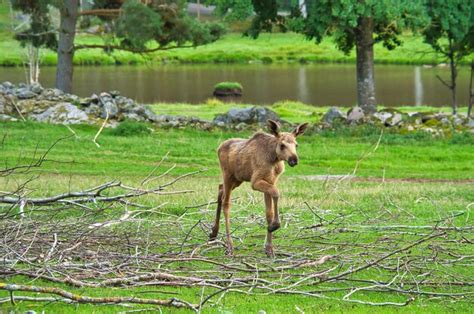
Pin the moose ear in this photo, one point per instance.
(274, 127)
(299, 130)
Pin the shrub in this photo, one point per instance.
(228, 85)
(267, 60)
(131, 128)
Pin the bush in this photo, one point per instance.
(228, 85)
(131, 128)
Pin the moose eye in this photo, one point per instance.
(282, 146)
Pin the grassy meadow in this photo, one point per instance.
(233, 48)
(407, 180)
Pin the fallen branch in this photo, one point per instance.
(173, 302)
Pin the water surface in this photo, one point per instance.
(315, 84)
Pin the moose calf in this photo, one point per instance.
(259, 160)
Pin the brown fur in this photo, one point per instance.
(260, 161)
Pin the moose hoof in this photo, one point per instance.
(269, 251)
(273, 226)
(212, 236)
(229, 252)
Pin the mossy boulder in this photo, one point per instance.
(250, 115)
(228, 89)
(33, 106)
(62, 113)
(6, 105)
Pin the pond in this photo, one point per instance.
(316, 84)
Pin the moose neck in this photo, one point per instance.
(272, 147)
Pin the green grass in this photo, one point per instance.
(228, 85)
(78, 163)
(234, 48)
(331, 152)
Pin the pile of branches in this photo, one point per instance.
(105, 237)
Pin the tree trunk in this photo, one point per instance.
(302, 6)
(67, 32)
(471, 91)
(365, 65)
(33, 64)
(198, 9)
(454, 74)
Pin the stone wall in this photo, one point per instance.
(49, 105)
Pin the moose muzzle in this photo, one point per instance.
(293, 161)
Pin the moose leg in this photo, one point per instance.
(276, 218)
(265, 187)
(269, 214)
(228, 186)
(215, 229)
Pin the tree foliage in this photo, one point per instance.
(39, 32)
(165, 22)
(451, 33)
(341, 18)
(452, 26)
(137, 25)
(233, 10)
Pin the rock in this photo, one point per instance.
(149, 114)
(333, 114)
(240, 115)
(94, 99)
(263, 114)
(458, 121)
(114, 93)
(164, 118)
(241, 126)
(382, 116)
(470, 124)
(133, 116)
(206, 126)
(94, 110)
(36, 88)
(63, 113)
(104, 97)
(24, 93)
(33, 106)
(368, 109)
(394, 120)
(6, 105)
(52, 94)
(125, 104)
(4, 118)
(427, 116)
(8, 85)
(411, 128)
(355, 115)
(72, 98)
(249, 115)
(227, 92)
(445, 122)
(220, 124)
(110, 109)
